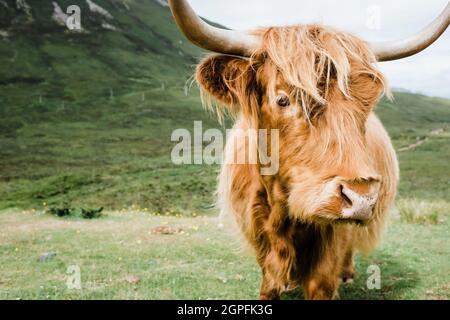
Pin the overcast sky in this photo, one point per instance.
(427, 72)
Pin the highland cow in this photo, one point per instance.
(338, 172)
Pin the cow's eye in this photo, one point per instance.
(283, 100)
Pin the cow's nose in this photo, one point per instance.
(359, 204)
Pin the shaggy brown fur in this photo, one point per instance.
(329, 137)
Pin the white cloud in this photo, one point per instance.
(427, 72)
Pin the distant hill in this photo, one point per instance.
(130, 44)
(86, 117)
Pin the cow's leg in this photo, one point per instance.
(323, 279)
(270, 233)
(348, 268)
(322, 287)
(280, 262)
(258, 237)
(323, 282)
(268, 291)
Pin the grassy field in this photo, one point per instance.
(121, 258)
(99, 162)
(85, 122)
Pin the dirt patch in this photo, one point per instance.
(165, 230)
(414, 145)
(418, 143)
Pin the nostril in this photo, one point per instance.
(345, 197)
(357, 206)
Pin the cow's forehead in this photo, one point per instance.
(281, 84)
(273, 80)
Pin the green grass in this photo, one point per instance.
(200, 262)
(422, 212)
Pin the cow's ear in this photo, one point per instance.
(226, 78)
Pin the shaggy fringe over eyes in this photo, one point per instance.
(310, 57)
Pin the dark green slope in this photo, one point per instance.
(42, 61)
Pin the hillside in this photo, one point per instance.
(86, 117)
(134, 47)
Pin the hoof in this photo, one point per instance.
(347, 280)
(347, 277)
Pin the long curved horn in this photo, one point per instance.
(209, 37)
(393, 50)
